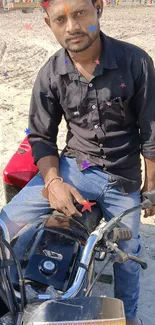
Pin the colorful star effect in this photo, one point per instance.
(28, 26)
(97, 61)
(27, 131)
(5, 74)
(46, 4)
(122, 85)
(87, 205)
(85, 164)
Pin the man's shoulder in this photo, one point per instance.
(51, 64)
(128, 49)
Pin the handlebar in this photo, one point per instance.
(103, 229)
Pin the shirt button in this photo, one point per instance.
(105, 168)
(96, 126)
(101, 145)
(104, 156)
(90, 85)
(76, 113)
(94, 106)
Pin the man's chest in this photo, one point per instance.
(103, 99)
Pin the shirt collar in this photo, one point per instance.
(64, 65)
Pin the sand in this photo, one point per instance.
(22, 53)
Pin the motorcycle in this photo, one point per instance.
(47, 271)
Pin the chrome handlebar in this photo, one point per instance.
(102, 230)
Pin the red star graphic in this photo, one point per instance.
(46, 4)
(97, 61)
(123, 85)
(87, 205)
(28, 26)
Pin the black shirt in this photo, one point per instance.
(110, 119)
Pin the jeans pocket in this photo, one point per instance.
(112, 181)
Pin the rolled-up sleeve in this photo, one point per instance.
(144, 104)
(44, 116)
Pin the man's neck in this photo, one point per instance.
(89, 55)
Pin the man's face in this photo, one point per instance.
(69, 19)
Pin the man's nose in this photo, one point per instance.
(72, 26)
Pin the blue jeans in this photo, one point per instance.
(93, 184)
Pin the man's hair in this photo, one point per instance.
(42, 1)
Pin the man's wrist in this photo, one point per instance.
(52, 180)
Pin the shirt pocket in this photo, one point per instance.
(117, 113)
(77, 111)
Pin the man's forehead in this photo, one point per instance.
(57, 7)
(70, 3)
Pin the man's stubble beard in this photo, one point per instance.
(85, 46)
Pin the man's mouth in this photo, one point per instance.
(76, 37)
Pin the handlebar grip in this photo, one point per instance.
(120, 234)
(124, 234)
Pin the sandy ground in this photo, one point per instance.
(22, 53)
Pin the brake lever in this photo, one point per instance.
(122, 257)
(143, 264)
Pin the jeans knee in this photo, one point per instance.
(12, 227)
(131, 246)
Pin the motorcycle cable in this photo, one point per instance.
(98, 275)
(6, 287)
(20, 275)
(3, 297)
(15, 301)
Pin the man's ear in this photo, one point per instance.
(99, 5)
(47, 21)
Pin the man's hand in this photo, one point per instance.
(61, 195)
(149, 212)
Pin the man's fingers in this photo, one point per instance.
(149, 212)
(78, 197)
(76, 213)
(65, 211)
(72, 209)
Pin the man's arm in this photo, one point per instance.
(49, 167)
(44, 118)
(149, 175)
(144, 103)
(149, 183)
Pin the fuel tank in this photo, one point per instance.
(50, 251)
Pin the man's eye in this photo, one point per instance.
(60, 20)
(81, 12)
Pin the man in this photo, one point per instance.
(105, 90)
